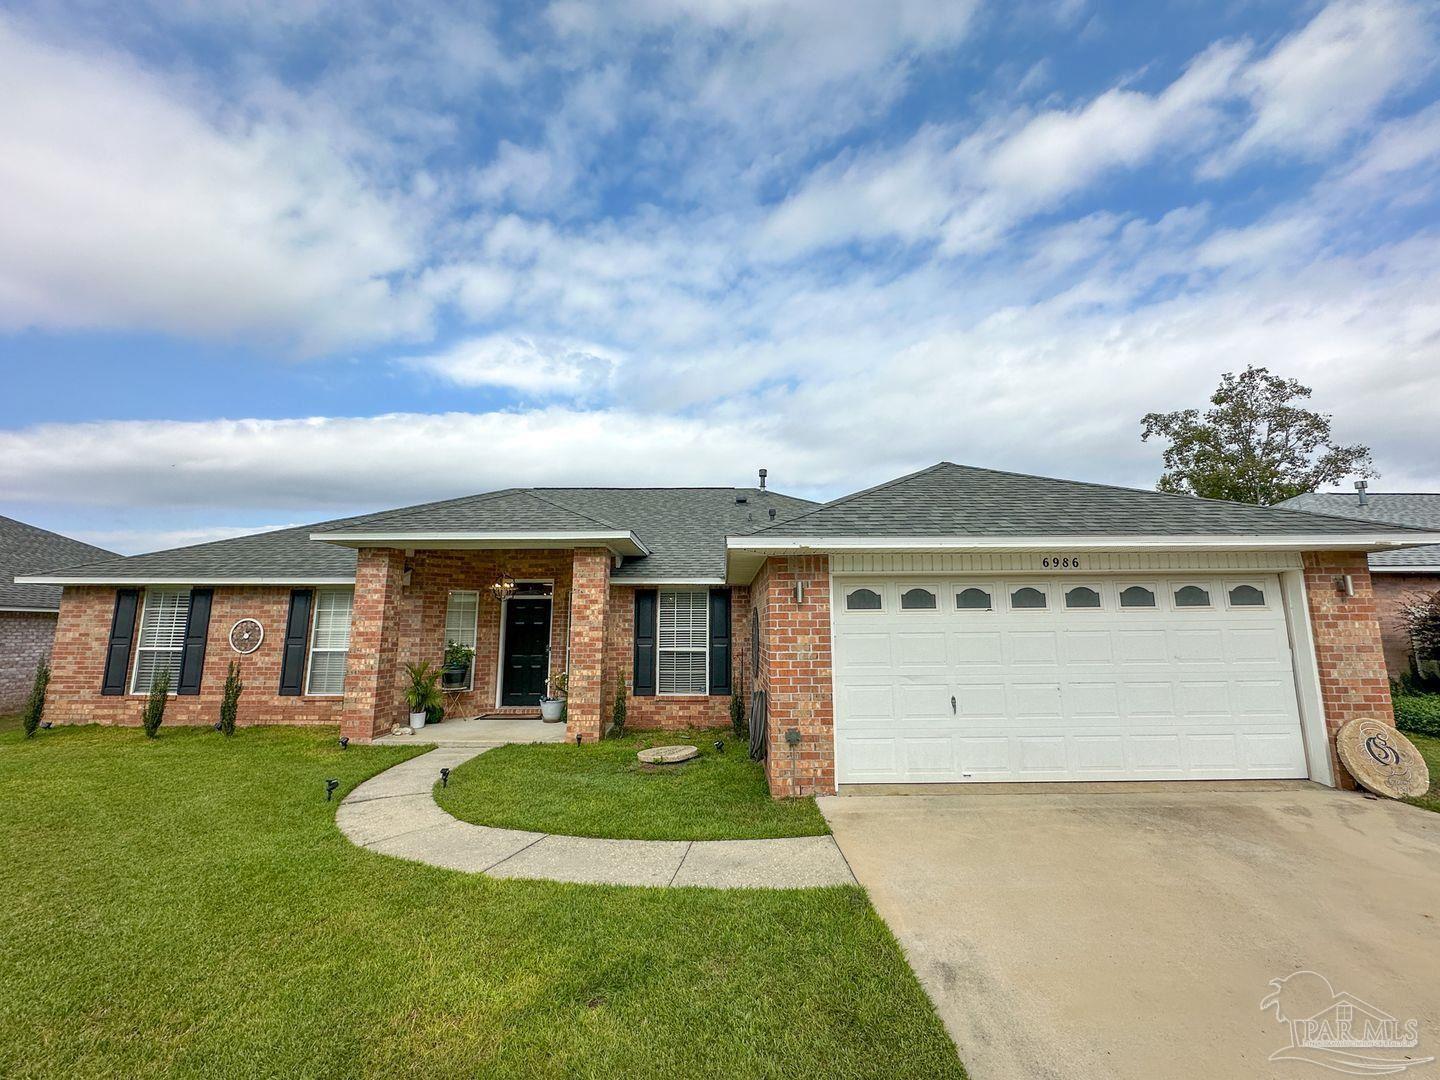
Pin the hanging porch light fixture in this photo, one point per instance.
(504, 588)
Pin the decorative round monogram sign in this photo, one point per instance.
(1382, 760)
(246, 635)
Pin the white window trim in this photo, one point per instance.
(704, 650)
(474, 636)
(988, 588)
(1012, 587)
(849, 590)
(932, 588)
(1176, 586)
(1096, 587)
(141, 649)
(1156, 594)
(1259, 586)
(310, 646)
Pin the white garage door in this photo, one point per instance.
(1022, 679)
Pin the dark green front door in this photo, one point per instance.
(527, 651)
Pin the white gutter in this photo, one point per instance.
(29, 611)
(668, 581)
(1323, 542)
(111, 579)
(622, 541)
(1405, 569)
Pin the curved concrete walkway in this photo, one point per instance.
(395, 813)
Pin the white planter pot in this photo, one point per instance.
(417, 720)
(551, 708)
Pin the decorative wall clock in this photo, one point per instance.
(246, 635)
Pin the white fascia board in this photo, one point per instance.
(669, 581)
(29, 611)
(113, 580)
(1295, 542)
(1405, 569)
(622, 541)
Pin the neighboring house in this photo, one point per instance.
(1398, 576)
(27, 612)
(954, 625)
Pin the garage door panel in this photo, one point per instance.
(921, 700)
(1088, 647)
(861, 650)
(914, 649)
(974, 648)
(1064, 694)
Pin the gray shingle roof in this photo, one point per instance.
(684, 528)
(959, 500)
(1414, 508)
(23, 549)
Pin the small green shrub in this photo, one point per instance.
(1419, 713)
(737, 716)
(155, 704)
(422, 689)
(230, 699)
(35, 703)
(617, 713)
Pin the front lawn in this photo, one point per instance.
(600, 789)
(187, 907)
(10, 722)
(1429, 747)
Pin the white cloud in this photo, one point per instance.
(1328, 79)
(536, 367)
(130, 205)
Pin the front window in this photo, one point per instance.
(683, 649)
(462, 611)
(329, 642)
(162, 638)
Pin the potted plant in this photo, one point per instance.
(455, 675)
(422, 693)
(552, 706)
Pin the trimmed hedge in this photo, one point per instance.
(1419, 713)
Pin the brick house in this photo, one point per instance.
(951, 626)
(28, 612)
(1398, 576)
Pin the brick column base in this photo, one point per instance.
(589, 602)
(372, 687)
(796, 675)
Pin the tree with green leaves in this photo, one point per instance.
(619, 710)
(154, 712)
(1256, 444)
(230, 699)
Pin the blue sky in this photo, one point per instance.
(264, 264)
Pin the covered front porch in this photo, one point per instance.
(525, 615)
(497, 729)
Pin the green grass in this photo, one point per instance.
(1429, 747)
(10, 722)
(601, 790)
(186, 907)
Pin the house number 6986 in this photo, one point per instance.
(1061, 562)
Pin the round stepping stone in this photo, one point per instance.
(1382, 759)
(668, 755)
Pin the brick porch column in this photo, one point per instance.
(589, 601)
(372, 686)
(1348, 649)
(799, 690)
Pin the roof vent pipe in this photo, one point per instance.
(772, 513)
(1360, 488)
(763, 474)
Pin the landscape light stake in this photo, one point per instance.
(45, 725)
(577, 738)
(330, 786)
(720, 745)
(444, 777)
(218, 726)
(344, 742)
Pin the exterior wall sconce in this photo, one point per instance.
(1345, 583)
(792, 736)
(799, 592)
(407, 575)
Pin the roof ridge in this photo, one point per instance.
(57, 535)
(854, 495)
(571, 510)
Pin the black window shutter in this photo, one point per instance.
(297, 627)
(720, 641)
(122, 636)
(647, 602)
(197, 627)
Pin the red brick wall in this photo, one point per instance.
(590, 585)
(795, 663)
(1351, 661)
(82, 636)
(1391, 592)
(670, 713)
(373, 701)
(25, 639)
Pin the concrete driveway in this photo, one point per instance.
(1133, 933)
